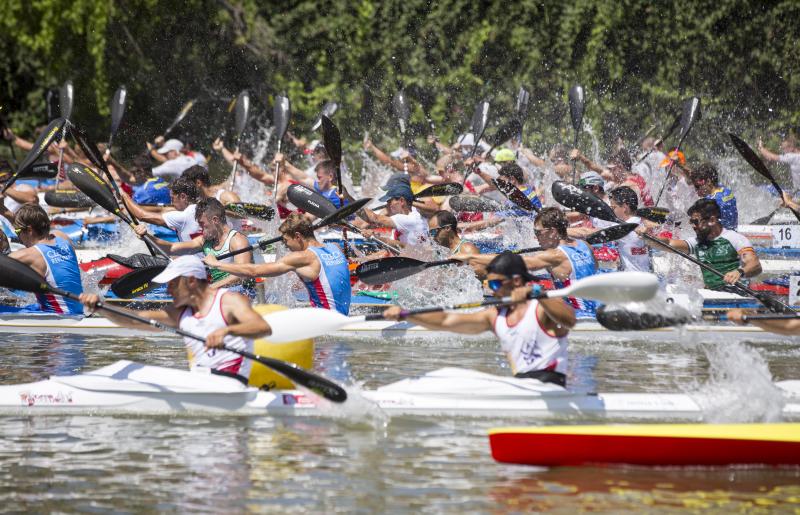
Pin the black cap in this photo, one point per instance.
(509, 265)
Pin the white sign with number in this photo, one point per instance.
(786, 236)
(794, 290)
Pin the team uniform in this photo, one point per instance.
(531, 350)
(722, 253)
(247, 288)
(410, 229)
(634, 254)
(583, 265)
(184, 224)
(153, 191)
(173, 168)
(216, 359)
(331, 289)
(644, 192)
(330, 194)
(62, 272)
(727, 206)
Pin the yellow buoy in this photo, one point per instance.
(300, 352)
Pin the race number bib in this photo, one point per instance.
(786, 236)
(794, 290)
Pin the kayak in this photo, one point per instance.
(129, 387)
(649, 444)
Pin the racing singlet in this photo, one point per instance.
(727, 206)
(583, 265)
(329, 194)
(203, 325)
(722, 253)
(62, 272)
(527, 345)
(331, 290)
(208, 248)
(153, 191)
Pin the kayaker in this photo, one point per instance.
(722, 249)
(202, 181)
(705, 180)
(182, 219)
(51, 255)
(618, 172)
(174, 160)
(324, 184)
(443, 229)
(533, 333)
(220, 316)
(409, 226)
(787, 326)
(321, 267)
(790, 156)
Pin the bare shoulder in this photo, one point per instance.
(470, 248)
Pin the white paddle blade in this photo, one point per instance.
(612, 287)
(302, 323)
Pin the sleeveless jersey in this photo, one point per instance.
(583, 265)
(331, 290)
(644, 191)
(62, 272)
(218, 359)
(634, 254)
(329, 194)
(217, 275)
(153, 191)
(527, 345)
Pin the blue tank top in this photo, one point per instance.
(516, 211)
(331, 290)
(727, 205)
(330, 195)
(154, 191)
(62, 272)
(583, 265)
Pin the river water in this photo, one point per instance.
(362, 462)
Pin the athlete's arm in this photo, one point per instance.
(23, 194)
(750, 264)
(292, 262)
(789, 327)
(244, 321)
(167, 316)
(151, 217)
(556, 315)
(464, 323)
(768, 155)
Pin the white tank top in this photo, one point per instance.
(202, 326)
(527, 345)
(633, 252)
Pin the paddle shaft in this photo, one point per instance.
(277, 171)
(472, 154)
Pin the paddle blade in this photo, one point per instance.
(242, 111)
(576, 105)
(66, 96)
(344, 212)
(181, 115)
(329, 109)
(138, 282)
(67, 199)
(514, 194)
(523, 97)
(654, 214)
(333, 146)
(41, 171)
(480, 118)
(94, 187)
(138, 260)
(89, 148)
(473, 203)
(689, 115)
(612, 233)
(118, 108)
(310, 201)
(299, 324)
(616, 319)
(19, 276)
(386, 270)
(571, 196)
(440, 190)
(511, 128)
(245, 209)
(401, 110)
(281, 115)
(50, 134)
(753, 160)
(612, 287)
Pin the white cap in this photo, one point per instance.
(171, 144)
(489, 169)
(184, 266)
(467, 140)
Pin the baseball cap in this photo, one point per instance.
(467, 140)
(399, 177)
(509, 265)
(398, 190)
(591, 179)
(184, 266)
(504, 155)
(170, 144)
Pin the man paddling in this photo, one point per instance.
(409, 226)
(182, 220)
(321, 267)
(790, 156)
(705, 180)
(443, 229)
(787, 326)
(533, 333)
(219, 315)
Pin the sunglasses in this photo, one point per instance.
(495, 284)
(18, 230)
(433, 231)
(696, 221)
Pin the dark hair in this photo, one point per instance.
(33, 216)
(706, 171)
(211, 207)
(297, 223)
(197, 173)
(626, 196)
(560, 151)
(512, 171)
(185, 185)
(622, 158)
(445, 219)
(327, 167)
(705, 207)
(510, 265)
(553, 218)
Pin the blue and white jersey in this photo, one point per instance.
(583, 265)
(153, 191)
(330, 194)
(331, 290)
(727, 206)
(62, 272)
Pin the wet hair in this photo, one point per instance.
(185, 185)
(445, 219)
(706, 171)
(211, 207)
(197, 173)
(553, 218)
(622, 158)
(512, 171)
(33, 216)
(705, 207)
(326, 167)
(510, 265)
(297, 223)
(625, 196)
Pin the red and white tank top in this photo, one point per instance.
(527, 345)
(644, 191)
(203, 325)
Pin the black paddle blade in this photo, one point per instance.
(572, 197)
(440, 190)
(576, 105)
(473, 203)
(50, 134)
(138, 282)
(624, 320)
(753, 160)
(386, 270)
(690, 114)
(89, 148)
(514, 194)
(329, 109)
(281, 115)
(66, 96)
(19, 276)
(118, 108)
(242, 111)
(138, 260)
(675, 124)
(310, 201)
(654, 214)
(401, 110)
(246, 209)
(67, 199)
(41, 171)
(506, 132)
(770, 302)
(333, 146)
(344, 212)
(612, 233)
(480, 118)
(94, 187)
(317, 384)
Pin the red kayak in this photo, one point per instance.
(111, 269)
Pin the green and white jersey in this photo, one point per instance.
(722, 253)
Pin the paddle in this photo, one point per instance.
(3, 128)
(67, 199)
(328, 110)
(242, 113)
(245, 209)
(94, 187)
(613, 233)
(298, 324)
(117, 112)
(333, 146)
(45, 139)
(402, 112)
(479, 121)
(576, 107)
(181, 115)
(675, 123)
(690, 114)
(281, 115)
(474, 203)
(521, 108)
(437, 190)
(507, 131)
(41, 171)
(654, 214)
(758, 165)
(617, 319)
(514, 194)
(66, 96)
(137, 260)
(575, 198)
(19, 276)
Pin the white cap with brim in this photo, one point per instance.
(170, 144)
(184, 266)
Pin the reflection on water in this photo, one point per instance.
(347, 464)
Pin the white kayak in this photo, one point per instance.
(126, 387)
